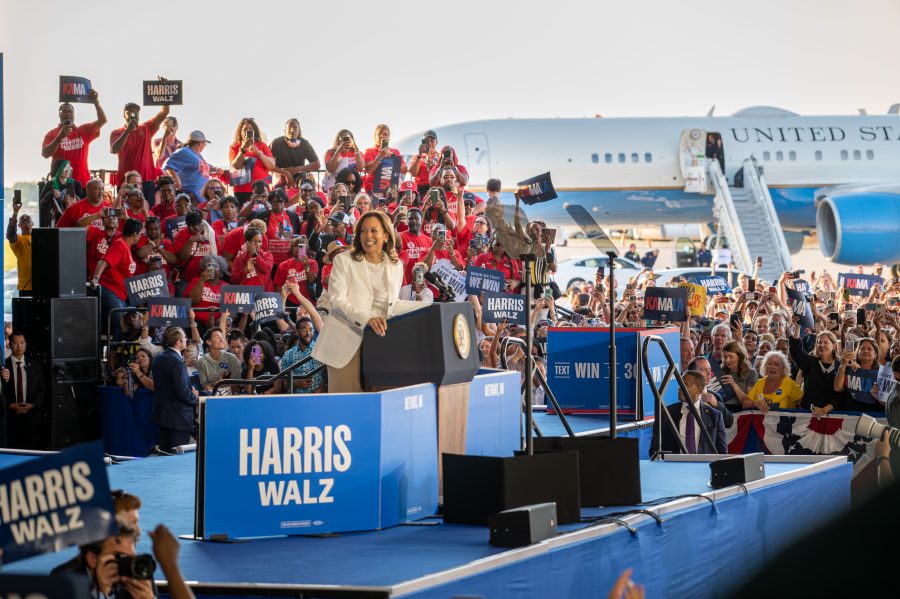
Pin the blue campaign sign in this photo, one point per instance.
(858, 284)
(480, 280)
(168, 311)
(74, 89)
(801, 308)
(715, 285)
(656, 360)
(537, 189)
(55, 501)
(802, 286)
(504, 306)
(311, 464)
(665, 303)
(860, 383)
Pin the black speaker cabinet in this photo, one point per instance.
(74, 407)
(609, 470)
(475, 487)
(58, 328)
(736, 469)
(523, 525)
(60, 261)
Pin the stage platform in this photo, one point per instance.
(702, 532)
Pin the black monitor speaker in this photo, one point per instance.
(59, 257)
(58, 328)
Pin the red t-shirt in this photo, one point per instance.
(98, 244)
(74, 148)
(137, 153)
(163, 210)
(280, 231)
(423, 178)
(143, 265)
(370, 155)
(506, 264)
(135, 215)
(463, 238)
(219, 227)
(295, 268)
(211, 298)
(199, 249)
(259, 169)
(326, 273)
(234, 242)
(261, 274)
(413, 248)
(76, 211)
(121, 266)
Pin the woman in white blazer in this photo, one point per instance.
(364, 290)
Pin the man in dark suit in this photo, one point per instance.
(173, 397)
(687, 427)
(23, 392)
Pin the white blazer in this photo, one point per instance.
(351, 297)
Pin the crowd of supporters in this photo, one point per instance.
(272, 218)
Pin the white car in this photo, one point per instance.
(584, 269)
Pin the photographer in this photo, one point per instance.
(132, 143)
(417, 291)
(343, 154)
(68, 141)
(448, 160)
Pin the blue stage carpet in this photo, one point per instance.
(384, 558)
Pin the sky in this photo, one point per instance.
(419, 65)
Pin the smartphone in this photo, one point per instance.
(550, 235)
(250, 134)
(548, 292)
(593, 322)
(442, 235)
(751, 285)
(345, 139)
(474, 243)
(871, 307)
(846, 295)
(834, 317)
(849, 344)
(601, 274)
(773, 290)
(384, 144)
(860, 315)
(112, 212)
(256, 353)
(796, 274)
(737, 319)
(17, 198)
(447, 154)
(403, 210)
(344, 203)
(435, 196)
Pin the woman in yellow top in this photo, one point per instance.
(775, 389)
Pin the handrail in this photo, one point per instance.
(271, 379)
(658, 393)
(761, 191)
(542, 381)
(735, 234)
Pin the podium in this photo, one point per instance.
(435, 344)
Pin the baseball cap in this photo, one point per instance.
(198, 136)
(408, 186)
(431, 134)
(340, 217)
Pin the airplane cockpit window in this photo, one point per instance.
(595, 158)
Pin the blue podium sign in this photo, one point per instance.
(578, 369)
(492, 423)
(311, 464)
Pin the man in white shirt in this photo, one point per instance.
(688, 430)
(417, 290)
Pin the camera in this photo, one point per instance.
(139, 567)
(870, 428)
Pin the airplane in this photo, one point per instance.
(833, 174)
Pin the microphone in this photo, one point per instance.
(444, 290)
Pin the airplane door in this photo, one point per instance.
(478, 156)
(692, 159)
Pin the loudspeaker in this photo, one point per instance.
(477, 486)
(74, 408)
(736, 469)
(61, 258)
(523, 525)
(609, 470)
(58, 328)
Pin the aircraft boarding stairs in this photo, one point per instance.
(747, 219)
